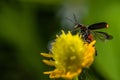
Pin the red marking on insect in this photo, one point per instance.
(90, 37)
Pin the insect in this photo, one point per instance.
(89, 33)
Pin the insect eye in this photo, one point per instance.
(78, 25)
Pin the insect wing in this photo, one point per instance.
(98, 26)
(102, 35)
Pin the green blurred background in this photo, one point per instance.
(28, 26)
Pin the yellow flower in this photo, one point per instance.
(70, 55)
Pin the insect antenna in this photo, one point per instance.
(76, 21)
(69, 19)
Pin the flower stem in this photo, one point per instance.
(76, 78)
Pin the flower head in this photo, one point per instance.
(70, 55)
